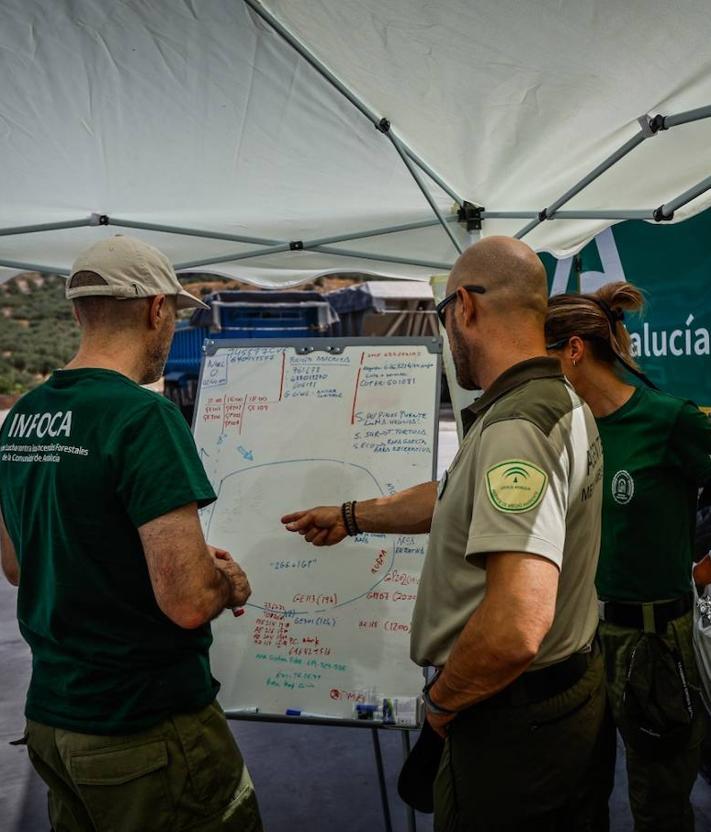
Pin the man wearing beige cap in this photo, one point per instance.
(100, 485)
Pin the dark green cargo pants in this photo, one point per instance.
(531, 768)
(184, 774)
(659, 789)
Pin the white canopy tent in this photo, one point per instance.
(241, 137)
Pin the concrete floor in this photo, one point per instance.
(307, 778)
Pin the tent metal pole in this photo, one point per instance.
(33, 267)
(191, 232)
(263, 241)
(622, 214)
(45, 226)
(338, 252)
(606, 164)
(686, 117)
(425, 192)
(666, 211)
(376, 232)
(228, 258)
(508, 215)
(384, 258)
(326, 73)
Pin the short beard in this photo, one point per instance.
(156, 356)
(462, 359)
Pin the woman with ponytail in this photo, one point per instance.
(656, 451)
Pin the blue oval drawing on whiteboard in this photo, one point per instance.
(281, 566)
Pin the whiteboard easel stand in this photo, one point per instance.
(374, 725)
(335, 346)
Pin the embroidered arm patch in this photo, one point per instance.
(515, 485)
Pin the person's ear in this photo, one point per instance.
(467, 306)
(576, 349)
(157, 311)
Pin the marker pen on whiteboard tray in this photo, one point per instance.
(298, 712)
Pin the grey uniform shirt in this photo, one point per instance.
(527, 478)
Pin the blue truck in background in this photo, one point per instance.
(238, 314)
(370, 308)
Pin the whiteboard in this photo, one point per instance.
(281, 428)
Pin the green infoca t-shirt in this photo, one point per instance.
(86, 459)
(657, 454)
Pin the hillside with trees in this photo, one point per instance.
(37, 331)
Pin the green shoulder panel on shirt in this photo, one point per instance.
(544, 402)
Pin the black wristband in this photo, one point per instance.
(348, 522)
(353, 518)
(433, 707)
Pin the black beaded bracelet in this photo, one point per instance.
(346, 514)
(353, 518)
(349, 521)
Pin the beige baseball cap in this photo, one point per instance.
(129, 268)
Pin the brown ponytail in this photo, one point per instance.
(597, 317)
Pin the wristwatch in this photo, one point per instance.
(437, 710)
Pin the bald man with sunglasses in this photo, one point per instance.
(506, 609)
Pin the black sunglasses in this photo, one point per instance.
(442, 305)
(558, 344)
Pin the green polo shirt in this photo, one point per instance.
(657, 454)
(85, 460)
(527, 478)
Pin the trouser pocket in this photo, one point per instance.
(125, 788)
(212, 758)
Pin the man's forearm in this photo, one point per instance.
(488, 655)
(216, 594)
(406, 512)
(504, 634)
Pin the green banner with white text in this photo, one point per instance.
(672, 265)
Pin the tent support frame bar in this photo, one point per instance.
(262, 241)
(119, 222)
(33, 267)
(326, 73)
(610, 214)
(383, 258)
(45, 226)
(605, 165)
(666, 211)
(397, 144)
(686, 117)
(309, 246)
(649, 127)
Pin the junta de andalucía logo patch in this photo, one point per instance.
(515, 485)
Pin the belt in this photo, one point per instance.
(538, 685)
(651, 617)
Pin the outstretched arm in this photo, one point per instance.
(406, 512)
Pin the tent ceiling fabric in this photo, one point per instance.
(198, 114)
